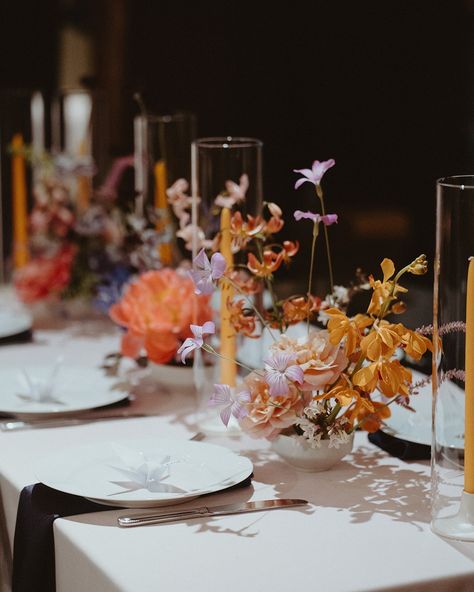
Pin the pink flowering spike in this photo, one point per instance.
(329, 219)
(220, 395)
(218, 266)
(299, 215)
(280, 370)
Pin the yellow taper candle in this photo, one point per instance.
(19, 203)
(161, 205)
(469, 384)
(84, 184)
(228, 366)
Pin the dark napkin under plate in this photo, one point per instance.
(402, 449)
(23, 337)
(33, 547)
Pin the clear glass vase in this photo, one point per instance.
(162, 154)
(453, 361)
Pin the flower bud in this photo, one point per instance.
(419, 266)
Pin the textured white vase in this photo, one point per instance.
(296, 452)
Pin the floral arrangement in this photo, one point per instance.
(334, 379)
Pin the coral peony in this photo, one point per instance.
(157, 310)
(45, 276)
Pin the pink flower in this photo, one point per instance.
(45, 276)
(196, 342)
(233, 403)
(234, 193)
(315, 173)
(327, 219)
(205, 272)
(281, 368)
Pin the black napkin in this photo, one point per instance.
(33, 547)
(23, 337)
(402, 449)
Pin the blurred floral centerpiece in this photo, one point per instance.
(343, 373)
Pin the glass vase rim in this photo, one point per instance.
(228, 142)
(455, 181)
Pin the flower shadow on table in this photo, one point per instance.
(365, 483)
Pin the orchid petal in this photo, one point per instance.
(308, 173)
(208, 328)
(329, 219)
(186, 348)
(295, 374)
(225, 415)
(301, 181)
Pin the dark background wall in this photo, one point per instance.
(385, 88)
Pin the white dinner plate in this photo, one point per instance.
(13, 322)
(77, 388)
(416, 427)
(196, 468)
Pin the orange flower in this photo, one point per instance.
(389, 376)
(157, 310)
(340, 327)
(383, 289)
(414, 344)
(271, 262)
(244, 281)
(267, 416)
(290, 249)
(242, 232)
(370, 420)
(343, 394)
(297, 308)
(242, 320)
(382, 341)
(273, 225)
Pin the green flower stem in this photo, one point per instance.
(311, 267)
(332, 416)
(319, 193)
(210, 350)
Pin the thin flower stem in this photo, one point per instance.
(254, 308)
(311, 267)
(210, 350)
(319, 193)
(332, 416)
(268, 282)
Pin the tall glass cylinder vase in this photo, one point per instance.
(162, 157)
(453, 361)
(24, 138)
(226, 176)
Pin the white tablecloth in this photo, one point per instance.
(367, 527)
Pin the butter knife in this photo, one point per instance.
(13, 425)
(205, 511)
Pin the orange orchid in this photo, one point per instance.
(340, 327)
(382, 341)
(271, 262)
(297, 308)
(243, 231)
(243, 321)
(385, 291)
(343, 393)
(370, 420)
(389, 376)
(414, 344)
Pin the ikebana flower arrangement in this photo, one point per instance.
(338, 377)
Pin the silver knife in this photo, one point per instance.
(204, 511)
(12, 425)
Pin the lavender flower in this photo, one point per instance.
(205, 273)
(281, 368)
(233, 403)
(315, 173)
(327, 220)
(196, 342)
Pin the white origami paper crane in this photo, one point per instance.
(40, 390)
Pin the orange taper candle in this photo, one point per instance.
(228, 350)
(161, 205)
(469, 384)
(19, 203)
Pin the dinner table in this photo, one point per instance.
(366, 526)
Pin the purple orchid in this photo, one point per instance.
(280, 369)
(205, 272)
(315, 173)
(233, 403)
(327, 219)
(196, 342)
